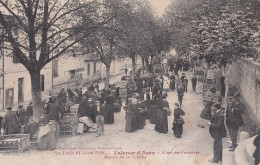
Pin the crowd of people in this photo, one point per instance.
(147, 100)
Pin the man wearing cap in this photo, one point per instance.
(233, 120)
(217, 131)
(10, 122)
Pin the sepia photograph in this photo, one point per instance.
(130, 82)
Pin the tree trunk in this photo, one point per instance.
(107, 76)
(36, 94)
(133, 67)
(143, 67)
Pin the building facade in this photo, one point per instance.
(15, 82)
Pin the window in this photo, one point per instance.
(42, 82)
(88, 69)
(72, 73)
(95, 68)
(15, 58)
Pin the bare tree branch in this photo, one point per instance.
(14, 15)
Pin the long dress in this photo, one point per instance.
(131, 124)
(178, 128)
(141, 116)
(109, 110)
(162, 120)
(153, 111)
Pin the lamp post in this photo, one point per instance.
(3, 74)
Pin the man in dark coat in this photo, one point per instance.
(194, 83)
(21, 115)
(10, 123)
(182, 77)
(56, 112)
(217, 131)
(185, 84)
(233, 120)
(180, 91)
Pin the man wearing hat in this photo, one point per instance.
(10, 122)
(217, 131)
(233, 120)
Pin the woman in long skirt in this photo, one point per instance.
(162, 120)
(178, 126)
(109, 109)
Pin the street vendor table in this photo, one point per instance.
(14, 143)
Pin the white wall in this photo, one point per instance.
(15, 71)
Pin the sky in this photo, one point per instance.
(159, 6)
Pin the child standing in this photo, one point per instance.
(100, 119)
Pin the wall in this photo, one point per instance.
(245, 75)
(13, 72)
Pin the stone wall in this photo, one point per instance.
(245, 75)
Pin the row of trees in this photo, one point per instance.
(110, 29)
(219, 31)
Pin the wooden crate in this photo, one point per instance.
(15, 143)
(68, 124)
